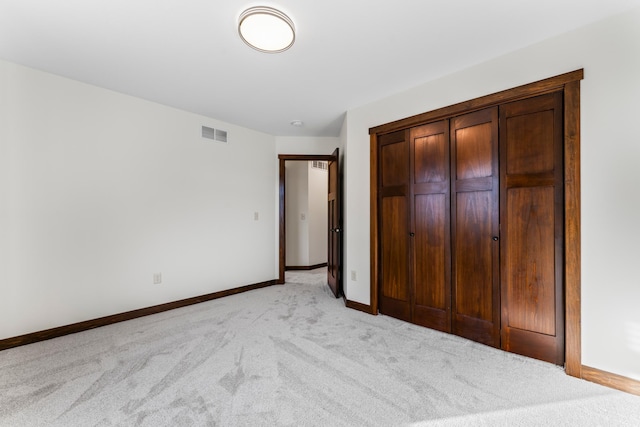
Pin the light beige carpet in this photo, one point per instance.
(289, 355)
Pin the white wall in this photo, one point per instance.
(609, 52)
(297, 213)
(100, 190)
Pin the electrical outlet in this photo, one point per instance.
(157, 278)
(303, 216)
(353, 275)
(256, 216)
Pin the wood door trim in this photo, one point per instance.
(281, 217)
(282, 238)
(611, 380)
(569, 83)
(359, 306)
(572, 262)
(540, 87)
(373, 224)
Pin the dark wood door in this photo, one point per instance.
(532, 211)
(430, 230)
(475, 280)
(334, 256)
(393, 200)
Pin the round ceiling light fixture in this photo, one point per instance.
(266, 29)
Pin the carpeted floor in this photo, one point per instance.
(289, 355)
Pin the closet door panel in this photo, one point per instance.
(430, 226)
(532, 202)
(475, 256)
(394, 208)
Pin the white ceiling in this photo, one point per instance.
(187, 53)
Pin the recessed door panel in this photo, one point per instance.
(394, 159)
(530, 269)
(430, 159)
(395, 258)
(474, 255)
(431, 228)
(474, 151)
(529, 144)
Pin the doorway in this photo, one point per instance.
(306, 213)
(334, 221)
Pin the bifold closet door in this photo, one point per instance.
(393, 224)
(475, 227)
(533, 227)
(430, 229)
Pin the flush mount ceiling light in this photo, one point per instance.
(297, 123)
(266, 29)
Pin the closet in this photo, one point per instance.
(470, 225)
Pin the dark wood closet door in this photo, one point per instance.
(431, 302)
(394, 209)
(475, 227)
(532, 211)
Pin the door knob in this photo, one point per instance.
(412, 234)
(495, 238)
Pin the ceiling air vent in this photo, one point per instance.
(214, 134)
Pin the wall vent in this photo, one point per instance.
(214, 134)
(319, 164)
(221, 135)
